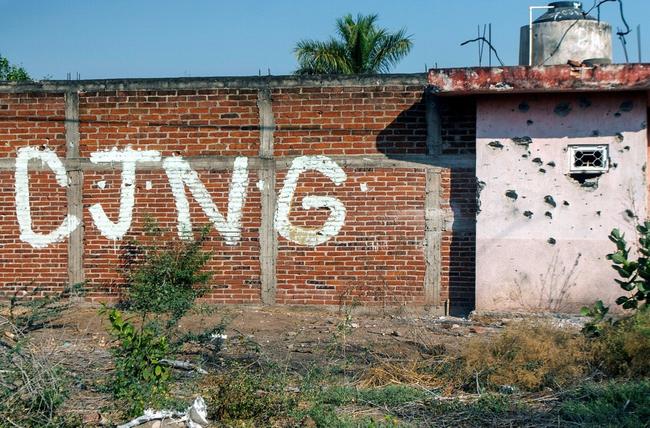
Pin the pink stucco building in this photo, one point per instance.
(561, 156)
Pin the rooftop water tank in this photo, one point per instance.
(565, 32)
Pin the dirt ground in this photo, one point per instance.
(296, 337)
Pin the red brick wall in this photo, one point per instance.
(376, 258)
(349, 120)
(34, 119)
(236, 271)
(219, 122)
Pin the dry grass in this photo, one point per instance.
(411, 373)
(530, 356)
(526, 356)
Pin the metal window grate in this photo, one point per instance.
(588, 158)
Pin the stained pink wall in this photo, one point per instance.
(553, 258)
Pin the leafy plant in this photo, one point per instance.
(165, 279)
(140, 378)
(12, 72)
(361, 48)
(635, 273)
(598, 322)
(635, 276)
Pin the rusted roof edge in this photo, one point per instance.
(557, 78)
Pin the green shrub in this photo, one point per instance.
(623, 347)
(165, 277)
(635, 273)
(139, 379)
(241, 396)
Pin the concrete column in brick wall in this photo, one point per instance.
(268, 238)
(75, 187)
(434, 214)
(434, 224)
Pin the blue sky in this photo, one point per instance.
(165, 38)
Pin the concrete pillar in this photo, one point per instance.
(268, 238)
(75, 188)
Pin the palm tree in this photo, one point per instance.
(361, 48)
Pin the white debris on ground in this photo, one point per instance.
(194, 417)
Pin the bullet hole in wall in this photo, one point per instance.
(595, 133)
(529, 122)
(548, 214)
(495, 144)
(562, 109)
(524, 141)
(542, 170)
(538, 161)
(551, 164)
(584, 102)
(524, 107)
(480, 185)
(551, 241)
(626, 106)
(566, 203)
(549, 200)
(512, 195)
(587, 181)
(619, 137)
(528, 214)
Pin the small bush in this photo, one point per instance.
(623, 347)
(139, 379)
(529, 356)
(634, 273)
(164, 277)
(167, 276)
(241, 396)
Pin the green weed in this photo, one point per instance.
(610, 404)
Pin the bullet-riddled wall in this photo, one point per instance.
(541, 231)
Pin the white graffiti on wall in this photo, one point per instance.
(334, 222)
(180, 175)
(23, 210)
(128, 158)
